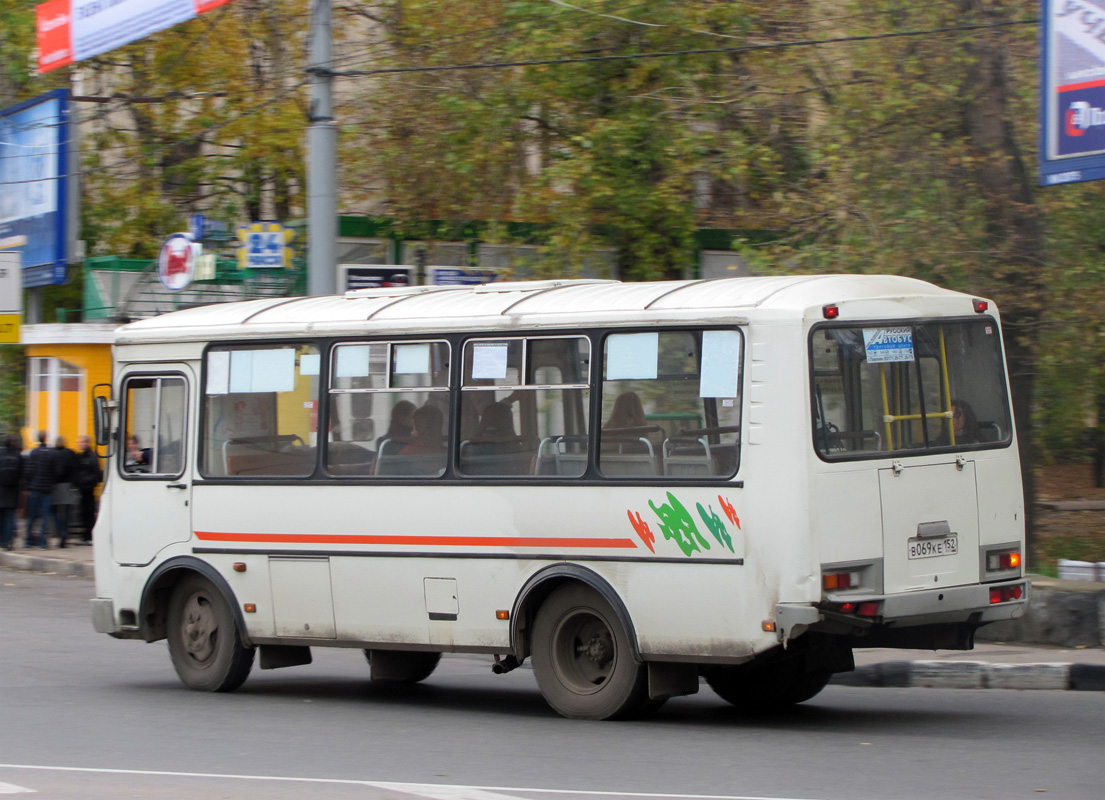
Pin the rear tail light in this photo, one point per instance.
(832, 581)
(995, 562)
(868, 610)
(1006, 594)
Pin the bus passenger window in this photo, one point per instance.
(671, 404)
(524, 407)
(389, 409)
(260, 407)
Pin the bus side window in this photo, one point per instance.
(388, 409)
(522, 400)
(260, 411)
(671, 404)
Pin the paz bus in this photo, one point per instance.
(636, 487)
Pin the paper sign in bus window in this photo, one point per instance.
(883, 345)
(310, 363)
(412, 359)
(720, 364)
(489, 360)
(262, 370)
(632, 356)
(218, 372)
(351, 361)
(273, 370)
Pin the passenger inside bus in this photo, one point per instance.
(495, 448)
(965, 422)
(628, 412)
(427, 436)
(495, 433)
(400, 427)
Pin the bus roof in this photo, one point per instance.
(538, 304)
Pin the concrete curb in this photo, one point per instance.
(29, 562)
(976, 675)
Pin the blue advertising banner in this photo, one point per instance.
(34, 143)
(1072, 91)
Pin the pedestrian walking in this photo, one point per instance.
(86, 477)
(38, 472)
(11, 474)
(65, 495)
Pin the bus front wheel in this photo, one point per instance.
(204, 643)
(582, 657)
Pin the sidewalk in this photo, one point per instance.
(991, 665)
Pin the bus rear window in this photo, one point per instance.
(909, 387)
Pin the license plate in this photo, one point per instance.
(929, 548)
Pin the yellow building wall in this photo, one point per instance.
(95, 361)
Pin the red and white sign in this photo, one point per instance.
(72, 30)
(176, 264)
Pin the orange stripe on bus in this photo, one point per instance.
(453, 541)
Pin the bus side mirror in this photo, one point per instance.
(101, 420)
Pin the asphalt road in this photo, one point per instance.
(85, 716)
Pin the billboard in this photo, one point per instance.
(72, 30)
(34, 147)
(1072, 91)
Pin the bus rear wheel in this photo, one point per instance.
(204, 643)
(583, 660)
(401, 666)
(766, 687)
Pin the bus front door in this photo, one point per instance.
(150, 501)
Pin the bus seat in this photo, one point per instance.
(431, 464)
(570, 456)
(688, 457)
(622, 464)
(518, 463)
(989, 432)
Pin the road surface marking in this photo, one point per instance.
(438, 791)
(11, 788)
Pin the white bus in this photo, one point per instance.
(632, 485)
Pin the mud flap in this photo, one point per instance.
(666, 679)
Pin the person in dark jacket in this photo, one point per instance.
(65, 497)
(86, 477)
(38, 472)
(11, 473)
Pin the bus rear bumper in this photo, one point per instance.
(867, 615)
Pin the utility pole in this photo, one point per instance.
(322, 147)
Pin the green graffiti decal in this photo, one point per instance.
(716, 526)
(678, 524)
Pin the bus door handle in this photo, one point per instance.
(176, 486)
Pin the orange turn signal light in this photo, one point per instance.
(250, 608)
(502, 613)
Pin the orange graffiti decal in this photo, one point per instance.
(639, 525)
(730, 512)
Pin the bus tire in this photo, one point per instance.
(204, 642)
(582, 657)
(401, 666)
(768, 687)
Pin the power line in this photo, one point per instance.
(672, 53)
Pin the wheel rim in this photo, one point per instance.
(585, 652)
(199, 629)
